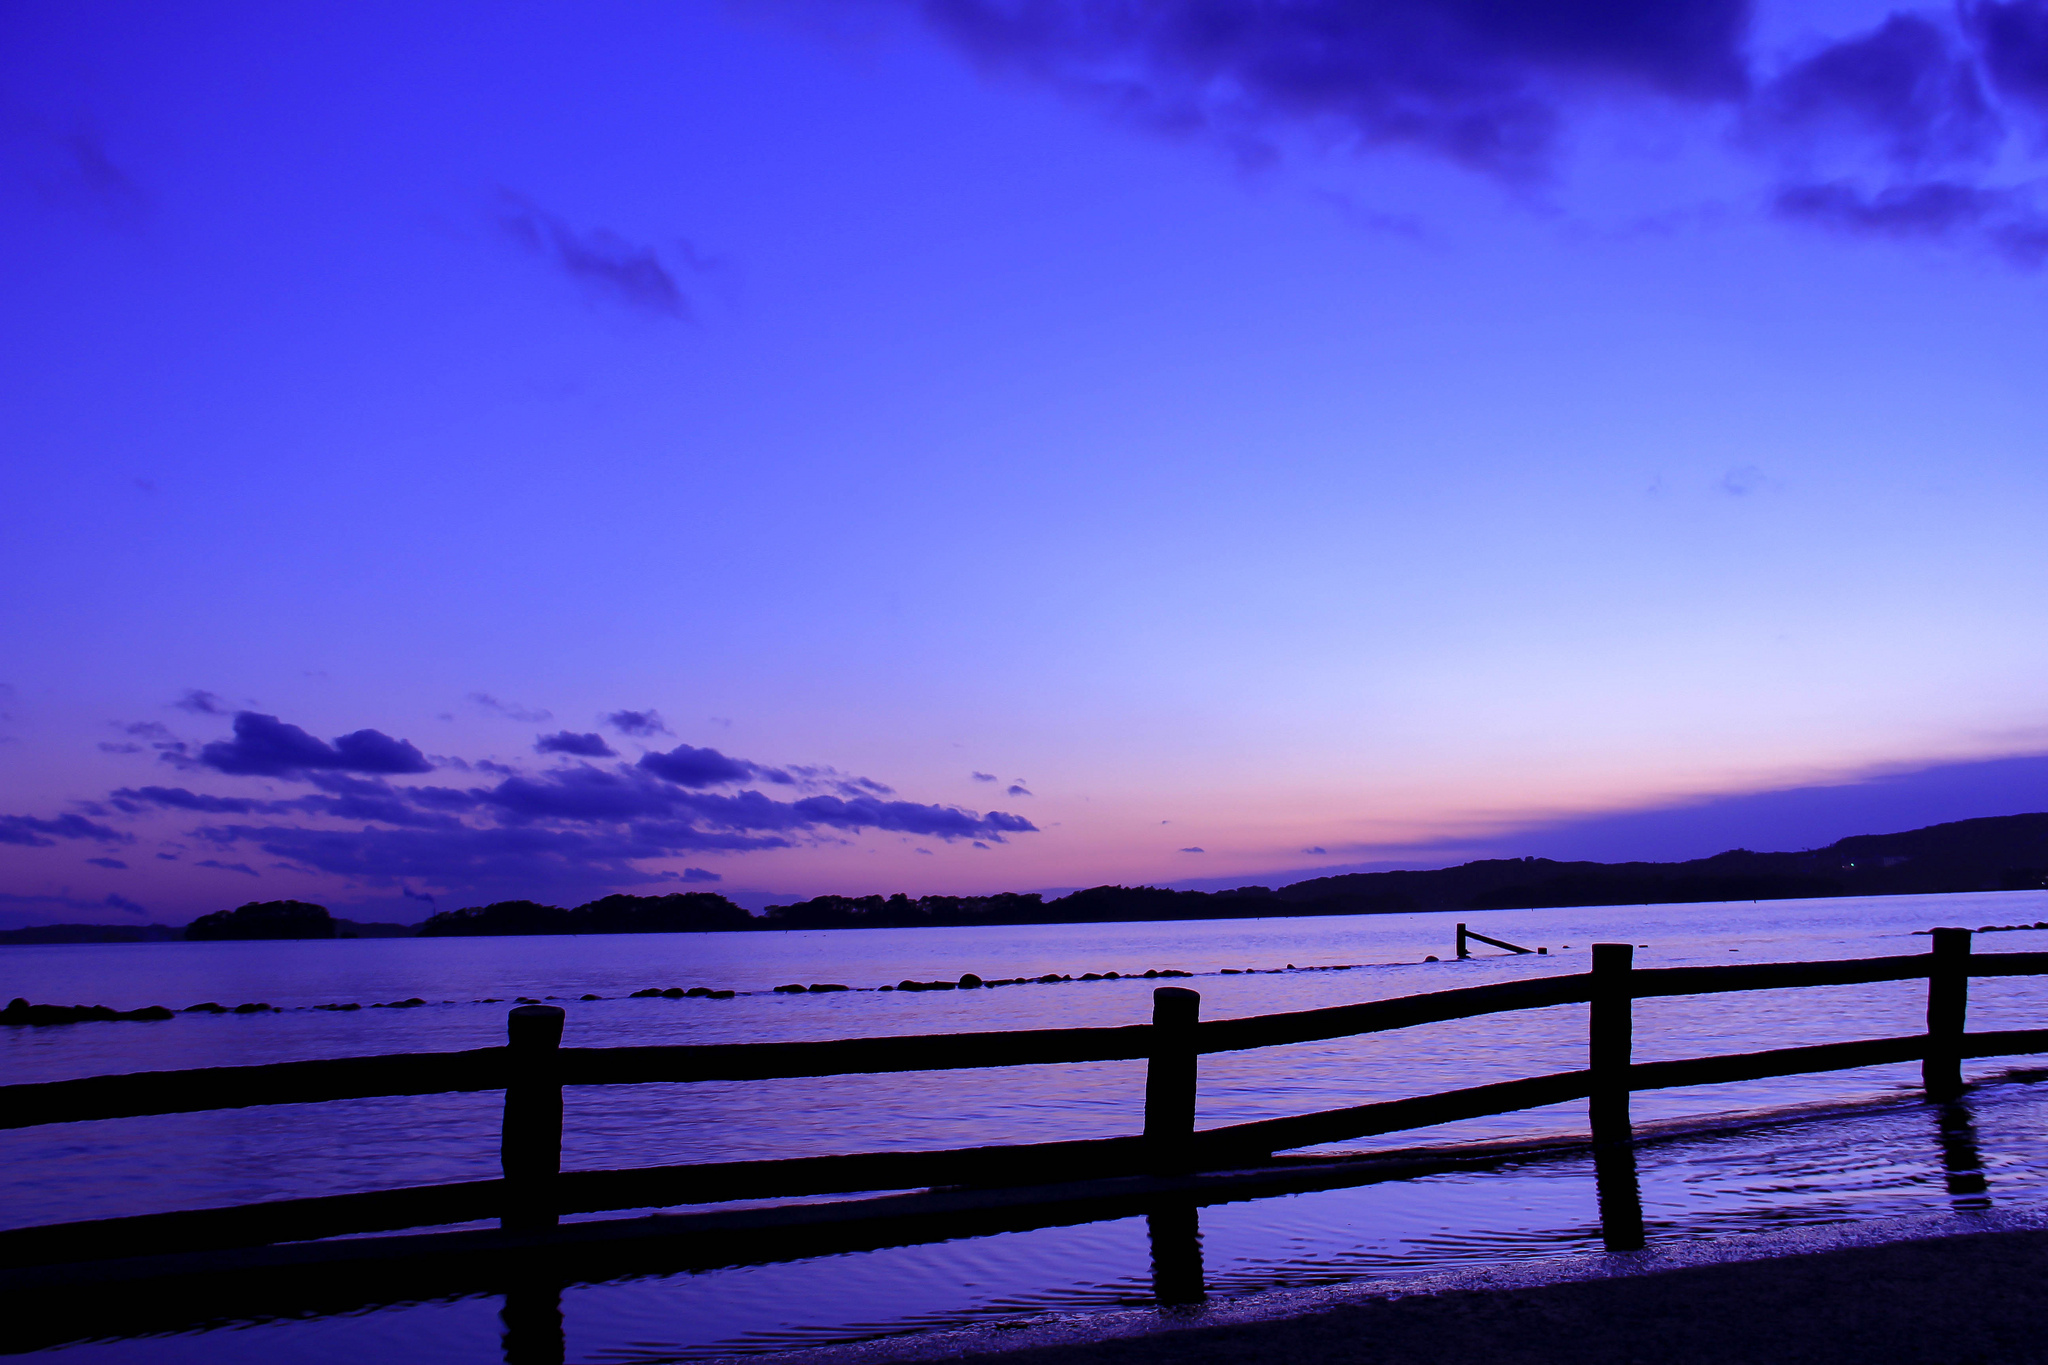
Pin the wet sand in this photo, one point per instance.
(1950, 1301)
(1945, 1296)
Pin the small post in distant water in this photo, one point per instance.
(1948, 1000)
(530, 1144)
(1463, 951)
(1170, 1077)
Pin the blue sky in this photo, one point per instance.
(1239, 427)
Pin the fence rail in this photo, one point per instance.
(534, 1193)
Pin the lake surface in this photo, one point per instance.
(1881, 1152)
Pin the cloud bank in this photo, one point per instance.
(589, 824)
(1929, 125)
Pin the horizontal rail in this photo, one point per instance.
(602, 1191)
(143, 1093)
(1380, 1016)
(847, 1056)
(176, 1092)
(1655, 981)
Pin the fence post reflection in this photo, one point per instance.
(1176, 1231)
(1621, 1196)
(532, 1317)
(1961, 1163)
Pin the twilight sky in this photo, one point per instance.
(465, 451)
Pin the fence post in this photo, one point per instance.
(530, 1144)
(1170, 1077)
(1463, 952)
(1610, 1041)
(1948, 999)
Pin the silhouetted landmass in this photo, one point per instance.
(1998, 853)
(678, 912)
(266, 920)
(94, 933)
(348, 928)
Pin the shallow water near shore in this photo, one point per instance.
(1885, 1154)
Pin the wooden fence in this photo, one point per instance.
(534, 1193)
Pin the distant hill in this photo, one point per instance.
(1998, 853)
(678, 912)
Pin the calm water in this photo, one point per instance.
(1882, 1159)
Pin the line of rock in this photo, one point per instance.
(20, 1011)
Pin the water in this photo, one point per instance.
(1886, 1153)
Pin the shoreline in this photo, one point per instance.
(1940, 1289)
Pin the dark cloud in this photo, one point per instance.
(115, 863)
(983, 777)
(577, 828)
(583, 794)
(1904, 89)
(132, 799)
(639, 724)
(32, 832)
(510, 710)
(1896, 132)
(1194, 850)
(909, 817)
(568, 742)
(520, 859)
(1315, 849)
(1017, 789)
(600, 261)
(265, 746)
(1475, 81)
(692, 767)
(413, 895)
(200, 703)
(2013, 41)
(827, 778)
(352, 798)
(2005, 221)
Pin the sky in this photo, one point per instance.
(459, 452)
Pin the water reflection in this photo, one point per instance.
(1961, 1163)
(532, 1321)
(1620, 1194)
(1175, 1229)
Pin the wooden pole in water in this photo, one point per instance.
(530, 1143)
(1948, 999)
(1611, 1040)
(1170, 1077)
(1463, 952)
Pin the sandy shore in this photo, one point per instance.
(1900, 1293)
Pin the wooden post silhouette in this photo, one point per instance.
(1611, 1039)
(1610, 1043)
(1463, 951)
(1170, 1077)
(530, 1145)
(1948, 999)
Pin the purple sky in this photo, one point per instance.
(468, 451)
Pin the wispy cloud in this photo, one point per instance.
(601, 261)
(525, 715)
